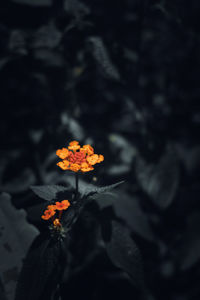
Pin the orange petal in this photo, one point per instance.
(73, 143)
(65, 203)
(93, 159)
(75, 167)
(88, 149)
(101, 158)
(51, 207)
(48, 214)
(64, 165)
(62, 153)
(74, 147)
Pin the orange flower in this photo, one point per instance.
(89, 150)
(51, 207)
(93, 159)
(63, 164)
(62, 153)
(74, 145)
(75, 167)
(57, 223)
(85, 167)
(48, 214)
(78, 159)
(62, 205)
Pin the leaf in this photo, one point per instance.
(87, 189)
(189, 251)
(48, 192)
(41, 270)
(20, 183)
(17, 43)
(76, 8)
(34, 2)
(128, 209)
(159, 181)
(125, 254)
(16, 236)
(104, 189)
(46, 37)
(102, 58)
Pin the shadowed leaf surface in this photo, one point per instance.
(16, 235)
(159, 180)
(48, 192)
(125, 254)
(41, 270)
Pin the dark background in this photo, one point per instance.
(122, 76)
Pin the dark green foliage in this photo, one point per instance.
(122, 76)
(125, 254)
(159, 179)
(42, 269)
(48, 192)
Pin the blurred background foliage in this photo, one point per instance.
(122, 76)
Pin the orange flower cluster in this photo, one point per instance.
(77, 158)
(50, 212)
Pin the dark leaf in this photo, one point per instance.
(76, 8)
(46, 37)
(17, 42)
(159, 181)
(41, 270)
(189, 252)
(16, 236)
(124, 253)
(104, 189)
(34, 2)
(128, 209)
(87, 190)
(20, 183)
(102, 58)
(48, 192)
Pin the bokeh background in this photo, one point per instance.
(122, 76)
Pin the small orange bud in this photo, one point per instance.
(57, 223)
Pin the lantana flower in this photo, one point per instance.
(51, 211)
(48, 213)
(62, 205)
(78, 159)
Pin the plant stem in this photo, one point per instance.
(76, 184)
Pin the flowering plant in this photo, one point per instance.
(48, 251)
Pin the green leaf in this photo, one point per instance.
(48, 192)
(125, 254)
